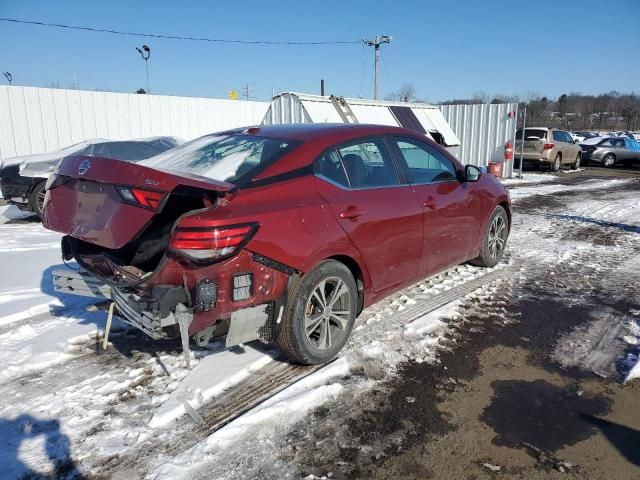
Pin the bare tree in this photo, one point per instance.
(406, 93)
(481, 97)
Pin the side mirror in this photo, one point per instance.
(576, 141)
(472, 173)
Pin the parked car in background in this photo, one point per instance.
(550, 147)
(586, 135)
(577, 137)
(22, 179)
(610, 151)
(281, 232)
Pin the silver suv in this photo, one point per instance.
(547, 146)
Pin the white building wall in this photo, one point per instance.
(483, 131)
(37, 120)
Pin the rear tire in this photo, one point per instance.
(494, 240)
(557, 163)
(316, 323)
(576, 164)
(36, 198)
(609, 160)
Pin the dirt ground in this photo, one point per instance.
(514, 413)
(500, 404)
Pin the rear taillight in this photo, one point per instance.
(211, 243)
(548, 146)
(143, 198)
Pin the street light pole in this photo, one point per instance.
(375, 43)
(145, 53)
(8, 76)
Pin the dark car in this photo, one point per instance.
(22, 179)
(283, 233)
(611, 151)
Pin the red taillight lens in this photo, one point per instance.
(144, 198)
(211, 243)
(147, 198)
(548, 146)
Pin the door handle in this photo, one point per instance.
(351, 213)
(429, 203)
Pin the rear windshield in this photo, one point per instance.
(230, 158)
(531, 133)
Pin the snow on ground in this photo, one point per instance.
(63, 400)
(10, 213)
(529, 178)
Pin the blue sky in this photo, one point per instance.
(446, 49)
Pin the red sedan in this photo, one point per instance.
(282, 233)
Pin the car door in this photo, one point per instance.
(621, 149)
(451, 209)
(572, 148)
(561, 145)
(380, 214)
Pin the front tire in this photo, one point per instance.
(495, 239)
(36, 199)
(319, 315)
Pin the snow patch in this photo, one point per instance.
(212, 375)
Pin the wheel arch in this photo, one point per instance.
(358, 275)
(504, 204)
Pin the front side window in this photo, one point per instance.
(230, 158)
(368, 165)
(426, 165)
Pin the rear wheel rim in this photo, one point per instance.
(497, 236)
(40, 200)
(327, 313)
(556, 164)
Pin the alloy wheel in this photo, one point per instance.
(326, 316)
(609, 160)
(40, 200)
(497, 236)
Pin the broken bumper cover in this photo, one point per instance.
(139, 312)
(228, 301)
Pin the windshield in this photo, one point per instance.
(531, 134)
(229, 158)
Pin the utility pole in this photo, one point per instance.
(8, 76)
(145, 53)
(375, 43)
(247, 91)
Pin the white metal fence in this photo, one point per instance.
(483, 131)
(36, 120)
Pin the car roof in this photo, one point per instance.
(313, 131)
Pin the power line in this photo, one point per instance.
(177, 37)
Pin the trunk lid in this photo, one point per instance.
(85, 198)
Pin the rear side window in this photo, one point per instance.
(330, 166)
(532, 134)
(230, 158)
(557, 136)
(426, 164)
(368, 165)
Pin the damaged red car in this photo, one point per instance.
(279, 233)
